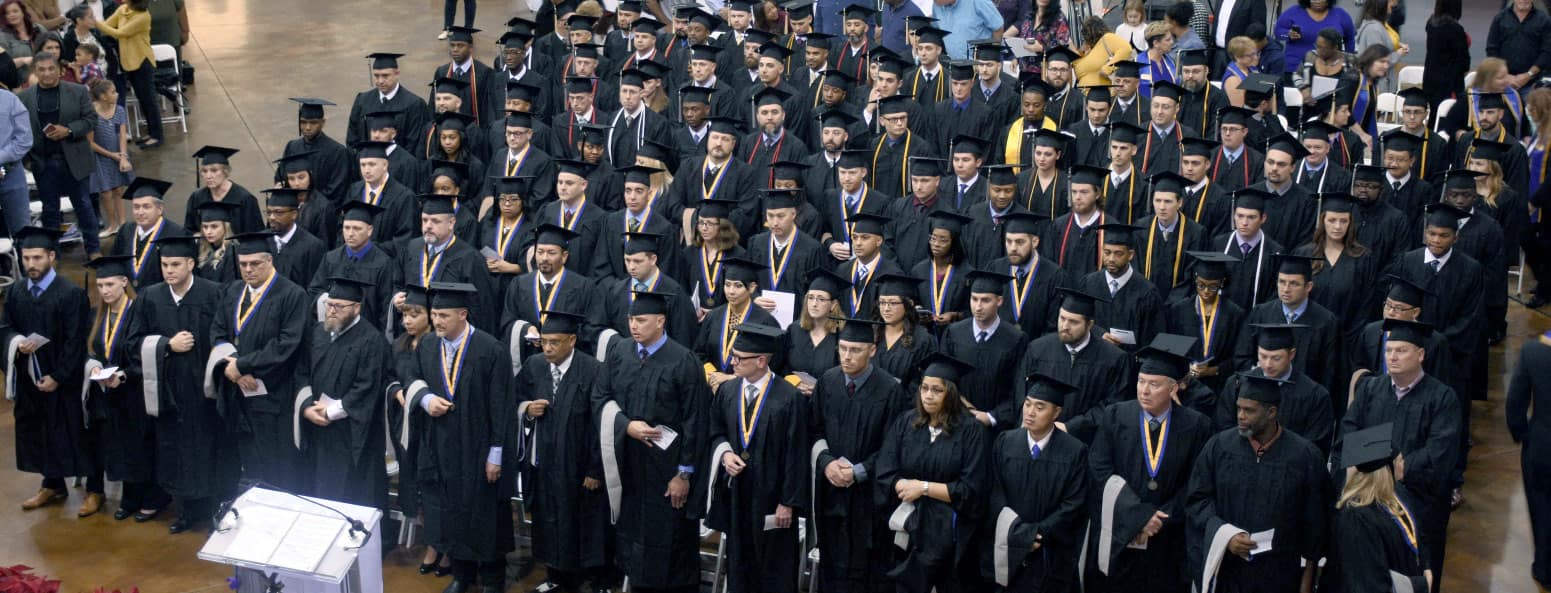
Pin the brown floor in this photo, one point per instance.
(251, 55)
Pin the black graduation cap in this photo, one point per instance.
(453, 120)
(416, 295)
(1369, 449)
(988, 282)
(649, 303)
(1126, 132)
(704, 52)
(757, 338)
(1022, 223)
(594, 134)
(1097, 93)
(254, 243)
(1212, 265)
(1239, 116)
(579, 84)
(215, 155)
(641, 174)
(1405, 291)
(932, 35)
(710, 21)
(553, 234)
(1077, 302)
(1199, 147)
(1260, 85)
(947, 368)
(1192, 57)
(521, 91)
(518, 185)
(641, 243)
(1042, 137)
(1260, 388)
(1277, 336)
(1490, 100)
(1336, 201)
(283, 197)
(1251, 198)
(108, 266)
(646, 25)
(1292, 263)
(452, 295)
(214, 211)
(573, 167)
(862, 331)
(561, 322)
(774, 51)
(1286, 143)
(588, 50)
(1411, 332)
(740, 6)
(895, 104)
(772, 95)
(757, 37)
(1089, 175)
(916, 22)
(836, 118)
(465, 34)
(853, 158)
(725, 125)
(1049, 389)
(372, 149)
(828, 281)
(449, 86)
(311, 108)
(741, 269)
(1119, 233)
(636, 77)
(1461, 179)
(382, 120)
(1169, 182)
(1001, 175)
(961, 70)
(860, 12)
(1167, 355)
(788, 170)
(1032, 83)
(580, 22)
(296, 162)
(1398, 139)
(1489, 150)
(657, 151)
(989, 51)
(177, 246)
(817, 40)
(438, 204)
(716, 208)
(346, 288)
(357, 211)
(515, 39)
(1442, 215)
(695, 94)
(1127, 69)
(925, 166)
(1413, 97)
(146, 187)
(1319, 130)
(779, 199)
(864, 222)
(1372, 173)
(1168, 90)
(948, 220)
(1060, 53)
(384, 60)
(459, 172)
(798, 9)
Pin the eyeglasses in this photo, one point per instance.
(818, 298)
(1209, 287)
(1398, 308)
(341, 306)
(742, 358)
(883, 303)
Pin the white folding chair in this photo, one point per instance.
(1470, 79)
(164, 53)
(1388, 107)
(1443, 111)
(1410, 76)
(8, 250)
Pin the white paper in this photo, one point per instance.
(1262, 541)
(37, 341)
(694, 296)
(259, 531)
(1125, 336)
(806, 379)
(665, 437)
(785, 306)
(259, 389)
(489, 253)
(326, 400)
(1319, 85)
(770, 522)
(307, 542)
(104, 374)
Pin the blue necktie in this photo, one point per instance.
(1034, 452)
(37, 291)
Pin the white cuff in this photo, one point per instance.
(495, 457)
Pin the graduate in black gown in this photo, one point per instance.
(718, 332)
(1160, 148)
(117, 408)
(359, 258)
(812, 338)
(403, 166)
(550, 286)
(460, 396)
(522, 154)
(1288, 209)
(1038, 489)
(643, 212)
(1427, 423)
(399, 218)
(983, 235)
(1343, 285)
(961, 112)
(1073, 239)
(215, 170)
(788, 254)
(318, 212)
(890, 153)
(911, 218)
(1376, 538)
(1091, 138)
(713, 241)
(1133, 313)
(1031, 300)
(934, 463)
(905, 340)
(1483, 238)
(1248, 481)
(328, 162)
(148, 208)
(758, 430)
(572, 210)
(1236, 163)
(773, 140)
(1384, 230)
(259, 362)
(1042, 188)
(962, 184)
(1404, 301)
(1199, 107)
(643, 275)
(1214, 321)
(867, 263)
(649, 385)
(387, 95)
(854, 407)
(632, 126)
(1204, 199)
(506, 233)
(1489, 125)
(298, 252)
(562, 467)
(1321, 344)
(944, 276)
(1321, 170)
(995, 344)
(196, 454)
(1098, 370)
(438, 256)
(1306, 408)
(1126, 195)
(1165, 240)
(1143, 451)
(1254, 272)
(343, 427)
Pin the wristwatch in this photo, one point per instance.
(684, 476)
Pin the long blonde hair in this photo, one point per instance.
(1537, 105)
(1494, 182)
(1375, 487)
(216, 254)
(662, 178)
(102, 317)
(1487, 70)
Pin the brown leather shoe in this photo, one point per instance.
(43, 497)
(91, 505)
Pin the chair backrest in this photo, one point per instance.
(1470, 79)
(1388, 106)
(1217, 84)
(164, 52)
(1410, 76)
(1443, 111)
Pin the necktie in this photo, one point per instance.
(963, 189)
(566, 218)
(1114, 287)
(38, 290)
(641, 350)
(544, 289)
(1292, 317)
(1246, 247)
(450, 353)
(779, 252)
(635, 225)
(247, 297)
(988, 94)
(1436, 264)
(850, 388)
(630, 121)
(382, 99)
(1396, 185)
(982, 337)
(555, 376)
(749, 393)
(1034, 452)
(1154, 426)
(861, 274)
(640, 286)
(850, 205)
(1022, 275)
(1072, 354)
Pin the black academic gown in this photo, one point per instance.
(1136, 307)
(992, 387)
(1162, 258)
(1048, 200)
(713, 341)
(903, 358)
(658, 544)
(485, 96)
(1072, 246)
(1526, 391)
(1253, 277)
(375, 267)
(1066, 107)
(345, 457)
(413, 112)
(1384, 230)
(1329, 178)
(889, 173)
(1285, 488)
(959, 195)
(571, 527)
(910, 229)
(512, 245)
(1160, 151)
(1346, 289)
(1233, 174)
(525, 299)
(1198, 111)
(271, 347)
(1370, 547)
(1515, 163)
(1290, 217)
(196, 453)
(1100, 371)
(1090, 148)
(1368, 353)
(50, 427)
(625, 137)
(128, 433)
(734, 181)
(758, 155)
(1032, 302)
(458, 262)
(1454, 305)
(939, 533)
(1184, 317)
(861, 299)
(247, 219)
(615, 304)
(146, 265)
(1127, 200)
(1120, 451)
(586, 221)
(704, 274)
(1210, 206)
(1320, 344)
(836, 212)
(850, 523)
(1041, 501)
(330, 166)
(300, 258)
(1137, 112)
(983, 237)
(535, 163)
(466, 516)
(408, 169)
(320, 217)
(1413, 195)
(776, 473)
(927, 88)
(787, 270)
(608, 254)
(400, 216)
(975, 117)
(1305, 408)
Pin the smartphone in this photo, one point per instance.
(1297, 29)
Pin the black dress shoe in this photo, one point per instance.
(181, 525)
(456, 587)
(442, 571)
(122, 513)
(1537, 302)
(430, 566)
(142, 516)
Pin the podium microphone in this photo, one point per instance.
(356, 526)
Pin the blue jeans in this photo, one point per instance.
(14, 197)
(55, 181)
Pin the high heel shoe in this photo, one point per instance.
(426, 568)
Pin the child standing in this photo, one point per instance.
(110, 140)
(1135, 24)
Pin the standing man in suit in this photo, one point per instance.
(61, 159)
(1232, 20)
(1529, 389)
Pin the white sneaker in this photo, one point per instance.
(442, 36)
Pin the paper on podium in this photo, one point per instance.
(785, 306)
(262, 528)
(308, 540)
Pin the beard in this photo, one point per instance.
(1194, 86)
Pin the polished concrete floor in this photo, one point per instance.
(250, 55)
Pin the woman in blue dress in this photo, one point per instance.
(1159, 65)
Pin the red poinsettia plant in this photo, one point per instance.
(18, 579)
